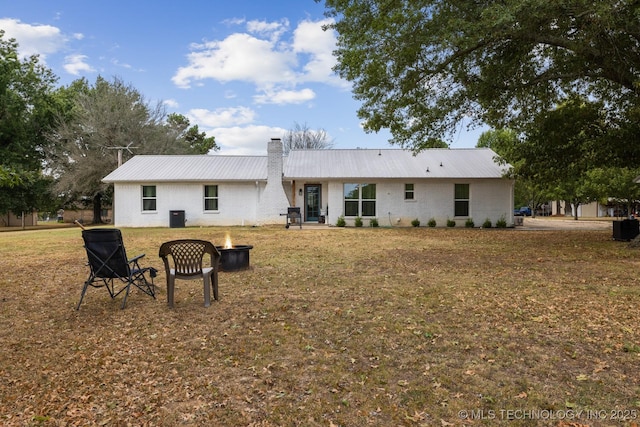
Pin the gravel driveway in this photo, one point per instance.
(545, 223)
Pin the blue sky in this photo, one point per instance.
(243, 71)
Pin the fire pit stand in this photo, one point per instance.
(235, 258)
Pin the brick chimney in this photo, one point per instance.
(273, 200)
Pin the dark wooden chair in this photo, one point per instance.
(110, 266)
(185, 259)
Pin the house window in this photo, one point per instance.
(461, 200)
(351, 199)
(359, 200)
(408, 192)
(210, 197)
(148, 197)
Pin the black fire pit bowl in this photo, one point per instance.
(235, 258)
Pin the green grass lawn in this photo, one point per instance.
(329, 327)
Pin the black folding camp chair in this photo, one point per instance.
(109, 265)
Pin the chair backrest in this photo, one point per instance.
(106, 253)
(186, 256)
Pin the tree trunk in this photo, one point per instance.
(97, 209)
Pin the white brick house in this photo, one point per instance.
(391, 185)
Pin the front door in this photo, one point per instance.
(312, 202)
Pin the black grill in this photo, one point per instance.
(293, 216)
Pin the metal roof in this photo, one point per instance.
(314, 164)
(190, 168)
(393, 163)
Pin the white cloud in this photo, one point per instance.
(222, 117)
(272, 30)
(117, 63)
(34, 39)
(309, 38)
(171, 103)
(285, 97)
(238, 57)
(75, 64)
(234, 21)
(264, 58)
(244, 141)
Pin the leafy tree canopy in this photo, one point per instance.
(617, 185)
(423, 67)
(27, 107)
(499, 140)
(197, 141)
(104, 125)
(564, 143)
(556, 156)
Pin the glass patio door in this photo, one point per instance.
(312, 202)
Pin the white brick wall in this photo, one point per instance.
(273, 201)
(489, 198)
(237, 204)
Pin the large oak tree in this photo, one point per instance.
(106, 124)
(422, 68)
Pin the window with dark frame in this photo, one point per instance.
(461, 200)
(408, 192)
(368, 194)
(210, 197)
(360, 200)
(149, 199)
(351, 199)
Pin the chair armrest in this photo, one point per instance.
(134, 259)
